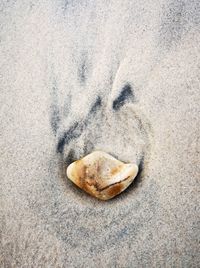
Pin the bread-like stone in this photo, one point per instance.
(101, 175)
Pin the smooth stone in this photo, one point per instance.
(101, 175)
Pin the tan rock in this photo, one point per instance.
(101, 175)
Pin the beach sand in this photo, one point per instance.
(118, 76)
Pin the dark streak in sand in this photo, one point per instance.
(77, 128)
(125, 95)
(54, 109)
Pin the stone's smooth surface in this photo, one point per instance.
(101, 175)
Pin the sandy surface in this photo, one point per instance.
(120, 76)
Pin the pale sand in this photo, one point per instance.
(59, 58)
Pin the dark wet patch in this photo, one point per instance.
(55, 118)
(73, 132)
(77, 128)
(70, 157)
(125, 95)
(96, 105)
(54, 109)
(82, 72)
(88, 147)
(83, 69)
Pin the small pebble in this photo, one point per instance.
(101, 175)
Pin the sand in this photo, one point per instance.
(118, 76)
